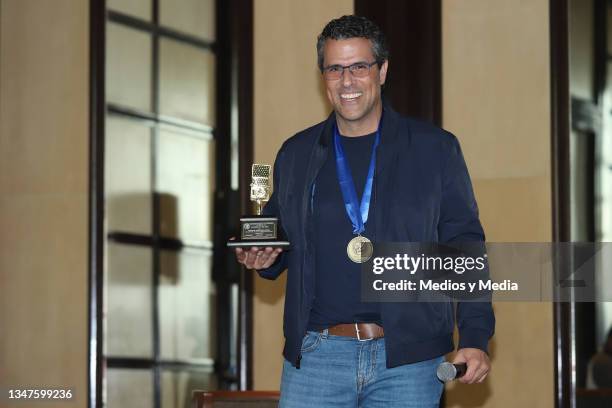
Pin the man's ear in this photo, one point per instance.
(383, 72)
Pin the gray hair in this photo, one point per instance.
(352, 26)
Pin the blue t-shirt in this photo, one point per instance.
(338, 279)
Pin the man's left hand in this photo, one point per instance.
(478, 364)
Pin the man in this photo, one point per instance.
(366, 174)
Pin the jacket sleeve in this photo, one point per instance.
(272, 209)
(459, 222)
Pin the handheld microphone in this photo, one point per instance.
(448, 371)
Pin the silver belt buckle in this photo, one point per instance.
(358, 331)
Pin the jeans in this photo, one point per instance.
(338, 371)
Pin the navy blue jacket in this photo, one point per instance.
(424, 194)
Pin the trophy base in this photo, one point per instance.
(260, 244)
(259, 231)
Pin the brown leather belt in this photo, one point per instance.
(360, 331)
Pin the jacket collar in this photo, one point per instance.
(387, 155)
(389, 137)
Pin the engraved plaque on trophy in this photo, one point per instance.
(259, 230)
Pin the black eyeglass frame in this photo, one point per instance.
(325, 71)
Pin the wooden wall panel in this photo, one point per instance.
(496, 99)
(43, 195)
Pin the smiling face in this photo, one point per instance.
(356, 101)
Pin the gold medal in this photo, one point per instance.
(359, 249)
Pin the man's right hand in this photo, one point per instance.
(257, 258)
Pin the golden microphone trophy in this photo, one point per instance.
(259, 230)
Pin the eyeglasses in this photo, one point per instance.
(358, 70)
